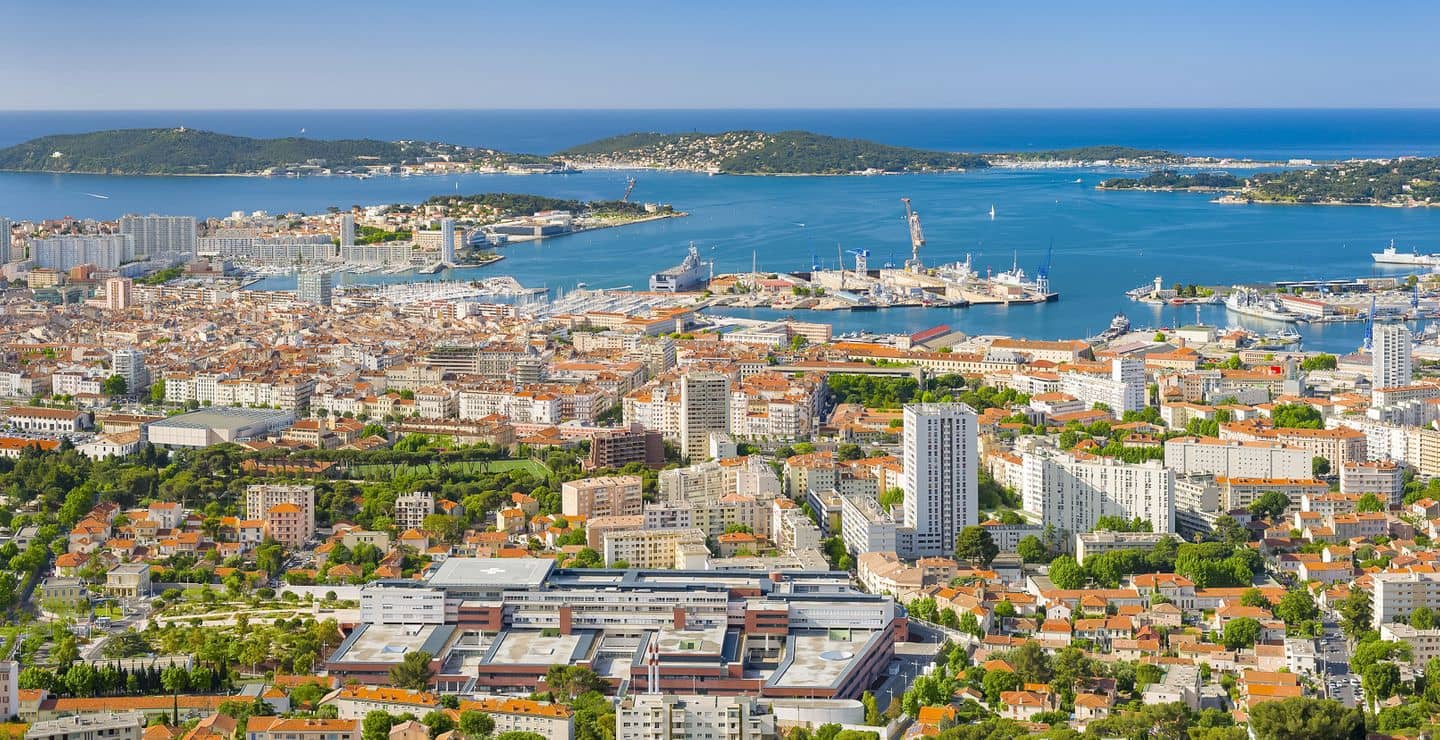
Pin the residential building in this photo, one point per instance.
(130, 365)
(1385, 478)
(704, 408)
(106, 252)
(1120, 389)
(412, 508)
(1234, 458)
(940, 480)
(1397, 594)
(1072, 492)
(673, 717)
(679, 548)
(301, 728)
(100, 726)
(1095, 543)
(314, 287)
(1239, 493)
(1390, 356)
(161, 236)
(119, 292)
(287, 511)
(613, 495)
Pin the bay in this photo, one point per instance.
(1104, 242)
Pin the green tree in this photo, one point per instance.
(1241, 632)
(1319, 467)
(1369, 502)
(1296, 416)
(1381, 680)
(975, 545)
(1422, 618)
(157, 391)
(413, 672)
(1032, 550)
(1270, 505)
(1303, 718)
(114, 386)
(1254, 597)
(376, 725)
(1296, 607)
(476, 725)
(1355, 613)
(438, 723)
(1066, 573)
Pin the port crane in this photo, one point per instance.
(862, 258)
(917, 238)
(629, 188)
(1042, 273)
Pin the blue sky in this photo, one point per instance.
(88, 54)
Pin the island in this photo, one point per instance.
(762, 153)
(1089, 156)
(1172, 180)
(183, 151)
(1401, 182)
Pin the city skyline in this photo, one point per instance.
(651, 56)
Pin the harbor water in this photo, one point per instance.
(1104, 242)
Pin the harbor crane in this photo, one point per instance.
(862, 258)
(629, 188)
(917, 238)
(1042, 273)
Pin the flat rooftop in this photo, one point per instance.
(533, 647)
(388, 643)
(223, 418)
(822, 658)
(510, 573)
(702, 641)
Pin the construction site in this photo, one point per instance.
(864, 288)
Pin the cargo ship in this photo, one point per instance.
(691, 274)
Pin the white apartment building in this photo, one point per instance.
(866, 526)
(671, 717)
(940, 479)
(1390, 356)
(1398, 594)
(1122, 389)
(98, 726)
(106, 251)
(1231, 458)
(412, 508)
(161, 235)
(1384, 478)
(1072, 494)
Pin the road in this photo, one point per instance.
(1340, 683)
(911, 658)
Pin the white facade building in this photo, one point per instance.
(1122, 389)
(1390, 356)
(940, 478)
(704, 408)
(1231, 458)
(1073, 494)
(161, 235)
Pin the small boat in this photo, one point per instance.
(1078, 180)
(992, 212)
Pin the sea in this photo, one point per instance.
(1103, 243)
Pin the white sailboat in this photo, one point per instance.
(992, 211)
